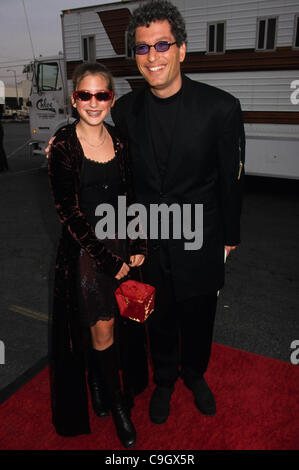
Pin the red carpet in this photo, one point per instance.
(257, 409)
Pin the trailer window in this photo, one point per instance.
(48, 77)
(88, 49)
(216, 37)
(266, 34)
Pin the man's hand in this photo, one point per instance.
(48, 149)
(228, 249)
(123, 271)
(136, 260)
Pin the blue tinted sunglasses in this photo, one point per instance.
(160, 46)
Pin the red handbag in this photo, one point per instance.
(135, 300)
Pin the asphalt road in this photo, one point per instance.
(257, 310)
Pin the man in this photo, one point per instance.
(187, 147)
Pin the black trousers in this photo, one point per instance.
(180, 333)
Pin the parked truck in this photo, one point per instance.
(249, 48)
(16, 114)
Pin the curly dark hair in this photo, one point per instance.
(158, 10)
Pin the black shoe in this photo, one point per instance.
(121, 417)
(203, 396)
(99, 398)
(159, 405)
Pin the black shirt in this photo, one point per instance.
(162, 114)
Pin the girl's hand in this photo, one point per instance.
(123, 271)
(48, 148)
(136, 260)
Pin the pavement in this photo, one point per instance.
(257, 310)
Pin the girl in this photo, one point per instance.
(88, 166)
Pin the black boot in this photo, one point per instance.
(120, 413)
(121, 417)
(99, 396)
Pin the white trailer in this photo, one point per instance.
(249, 48)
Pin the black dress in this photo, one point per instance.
(100, 183)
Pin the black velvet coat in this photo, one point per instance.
(70, 341)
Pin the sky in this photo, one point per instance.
(45, 27)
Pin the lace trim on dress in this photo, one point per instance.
(103, 163)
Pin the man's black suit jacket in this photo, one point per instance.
(205, 166)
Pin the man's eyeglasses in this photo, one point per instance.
(82, 95)
(160, 46)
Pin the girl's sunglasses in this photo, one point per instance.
(82, 95)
